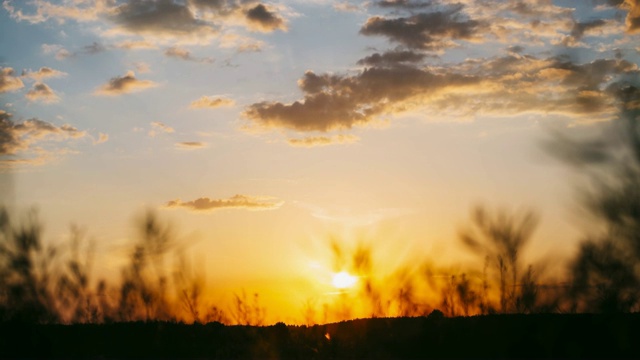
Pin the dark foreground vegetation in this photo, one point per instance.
(540, 335)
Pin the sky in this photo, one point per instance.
(261, 130)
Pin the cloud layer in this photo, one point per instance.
(413, 76)
(156, 21)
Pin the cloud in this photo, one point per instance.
(123, 85)
(161, 19)
(346, 7)
(102, 138)
(94, 48)
(149, 23)
(60, 52)
(334, 102)
(262, 19)
(513, 84)
(425, 31)
(27, 138)
(315, 141)
(191, 145)
(9, 82)
(184, 54)
(81, 11)
(158, 127)
(404, 4)
(135, 45)
(211, 102)
(393, 57)
(234, 202)
(633, 17)
(43, 93)
(632, 20)
(142, 67)
(593, 27)
(43, 73)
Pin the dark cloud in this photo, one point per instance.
(261, 18)
(632, 20)
(591, 76)
(43, 93)
(425, 31)
(124, 84)
(234, 202)
(160, 18)
(8, 80)
(579, 29)
(515, 49)
(633, 17)
(340, 102)
(403, 4)
(391, 58)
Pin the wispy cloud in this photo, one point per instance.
(191, 145)
(211, 102)
(184, 54)
(158, 127)
(43, 73)
(315, 141)
(102, 138)
(234, 202)
(59, 51)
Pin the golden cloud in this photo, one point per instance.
(234, 202)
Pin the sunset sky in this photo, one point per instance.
(263, 129)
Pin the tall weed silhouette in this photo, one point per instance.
(605, 273)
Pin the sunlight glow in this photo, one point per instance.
(343, 280)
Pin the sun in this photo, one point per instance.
(343, 280)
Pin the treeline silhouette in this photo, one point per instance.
(41, 283)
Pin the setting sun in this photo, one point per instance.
(343, 280)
